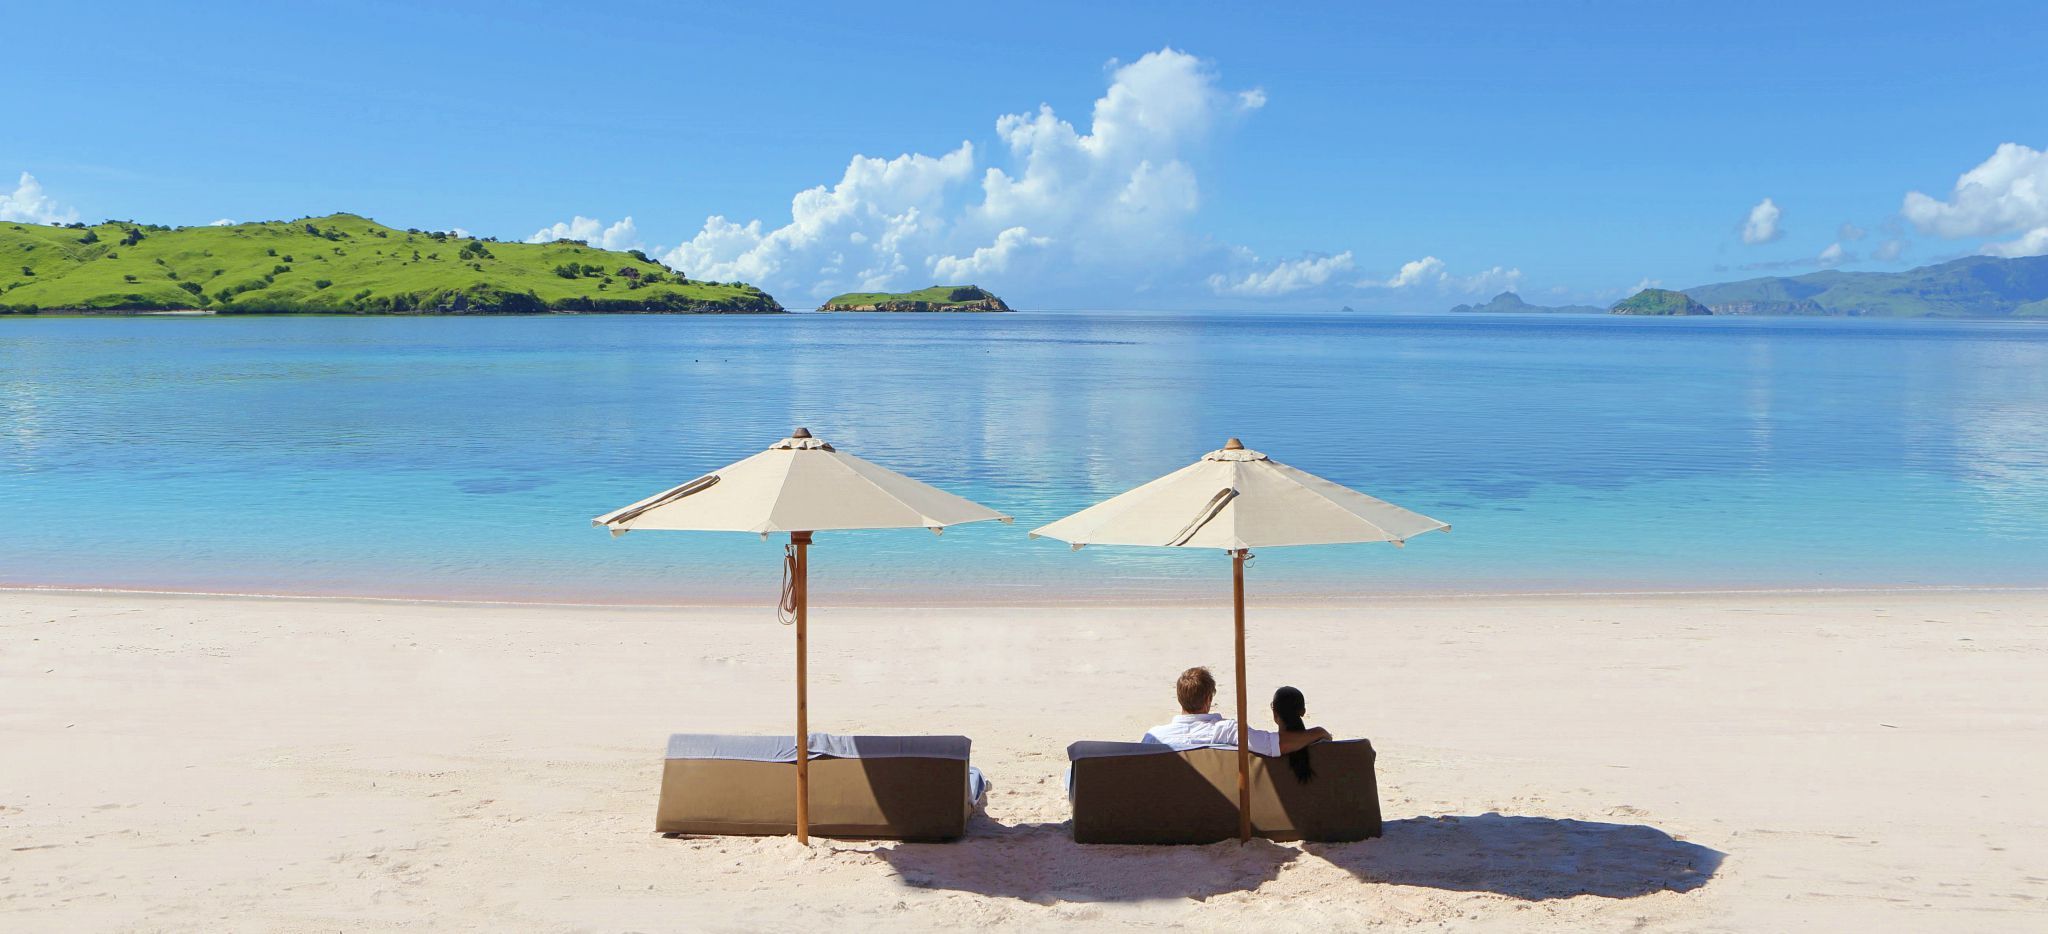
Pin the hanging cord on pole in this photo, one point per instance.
(785, 609)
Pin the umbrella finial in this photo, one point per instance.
(800, 433)
(1233, 445)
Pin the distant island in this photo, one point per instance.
(1508, 303)
(337, 264)
(1972, 287)
(935, 298)
(1663, 302)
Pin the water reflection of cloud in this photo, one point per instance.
(1758, 394)
(22, 426)
(2002, 451)
(1997, 430)
(25, 381)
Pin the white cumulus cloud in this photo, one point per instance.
(1497, 278)
(1417, 272)
(1831, 257)
(993, 259)
(28, 202)
(2006, 193)
(223, 222)
(1889, 251)
(2033, 243)
(880, 210)
(1762, 225)
(1284, 277)
(1106, 204)
(619, 236)
(1432, 272)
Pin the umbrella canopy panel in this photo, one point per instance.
(1237, 499)
(799, 485)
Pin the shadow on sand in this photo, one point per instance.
(1531, 858)
(1041, 864)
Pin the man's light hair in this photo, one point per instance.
(1197, 687)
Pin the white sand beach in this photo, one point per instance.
(1861, 761)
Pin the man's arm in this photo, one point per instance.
(1295, 740)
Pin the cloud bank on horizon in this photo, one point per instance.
(1112, 211)
(1094, 213)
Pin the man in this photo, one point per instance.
(1197, 727)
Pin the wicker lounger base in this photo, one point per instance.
(895, 797)
(1140, 793)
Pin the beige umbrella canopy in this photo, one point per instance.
(800, 485)
(1236, 499)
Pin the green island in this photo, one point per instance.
(1508, 303)
(1659, 302)
(935, 298)
(1971, 287)
(337, 264)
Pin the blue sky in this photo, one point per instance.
(1194, 155)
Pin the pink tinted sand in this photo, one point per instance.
(1682, 762)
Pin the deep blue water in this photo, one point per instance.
(463, 457)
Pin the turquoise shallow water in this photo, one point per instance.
(463, 457)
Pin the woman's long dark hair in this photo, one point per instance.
(1288, 708)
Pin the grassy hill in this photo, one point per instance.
(340, 263)
(1659, 302)
(1972, 287)
(935, 298)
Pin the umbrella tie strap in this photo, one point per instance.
(691, 488)
(785, 609)
(1215, 506)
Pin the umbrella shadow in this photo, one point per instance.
(1530, 858)
(1040, 863)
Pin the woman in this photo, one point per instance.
(1288, 708)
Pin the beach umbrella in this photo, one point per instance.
(800, 486)
(1237, 500)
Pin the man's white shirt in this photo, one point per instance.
(1195, 730)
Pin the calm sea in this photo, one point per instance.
(464, 457)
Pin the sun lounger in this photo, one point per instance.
(1150, 793)
(893, 787)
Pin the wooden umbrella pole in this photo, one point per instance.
(1244, 757)
(800, 591)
